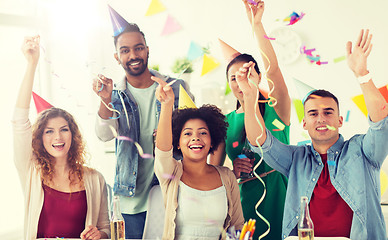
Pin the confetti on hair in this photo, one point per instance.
(124, 138)
(310, 57)
(331, 127)
(276, 130)
(235, 144)
(293, 18)
(269, 38)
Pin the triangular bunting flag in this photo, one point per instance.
(155, 7)
(40, 103)
(299, 109)
(170, 26)
(227, 89)
(209, 63)
(184, 99)
(195, 51)
(360, 101)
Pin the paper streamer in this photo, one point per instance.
(304, 142)
(124, 138)
(339, 59)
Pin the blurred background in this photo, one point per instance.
(77, 44)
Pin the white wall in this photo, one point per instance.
(77, 42)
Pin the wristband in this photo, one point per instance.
(365, 78)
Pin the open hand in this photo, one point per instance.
(31, 49)
(357, 56)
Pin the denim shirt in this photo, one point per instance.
(354, 168)
(128, 125)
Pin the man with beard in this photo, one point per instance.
(132, 110)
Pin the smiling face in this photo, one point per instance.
(195, 140)
(132, 53)
(322, 121)
(233, 83)
(57, 137)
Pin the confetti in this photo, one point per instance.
(339, 59)
(331, 163)
(235, 144)
(269, 38)
(278, 124)
(304, 142)
(253, 2)
(293, 18)
(330, 127)
(347, 116)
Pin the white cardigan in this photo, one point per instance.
(95, 187)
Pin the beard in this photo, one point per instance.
(138, 70)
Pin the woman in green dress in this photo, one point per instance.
(251, 189)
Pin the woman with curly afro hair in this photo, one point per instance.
(202, 201)
(63, 197)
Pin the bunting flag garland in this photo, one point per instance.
(155, 7)
(209, 64)
(170, 26)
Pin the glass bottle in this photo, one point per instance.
(305, 225)
(247, 153)
(117, 226)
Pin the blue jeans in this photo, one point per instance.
(134, 225)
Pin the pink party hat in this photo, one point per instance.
(229, 52)
(118, 22)
(40, 103)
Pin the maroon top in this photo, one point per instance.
(63, 214)
(331, 215)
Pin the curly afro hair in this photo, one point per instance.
(210, 114)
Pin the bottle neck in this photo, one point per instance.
(116, 215)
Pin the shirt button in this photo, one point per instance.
(319, 164)
(336, 152)
(130, 193)
(297, 217)
(134, 173)
(313, 179)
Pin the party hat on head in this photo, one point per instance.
(303, 89)
(184, 99)
(229, 52)
(118, 22)
(40, 103)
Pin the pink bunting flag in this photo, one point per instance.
(170, 26)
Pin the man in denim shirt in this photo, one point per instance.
(133, 116)
(341, 178)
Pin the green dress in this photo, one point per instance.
(272, 205)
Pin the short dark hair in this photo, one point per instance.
(131, 27)
(321, 93)
(208, 113)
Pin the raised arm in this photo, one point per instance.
(249, 90)
(165, 95)
(283, 106)
(31, 51)
(357, 61)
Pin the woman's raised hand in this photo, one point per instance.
(31, 49)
